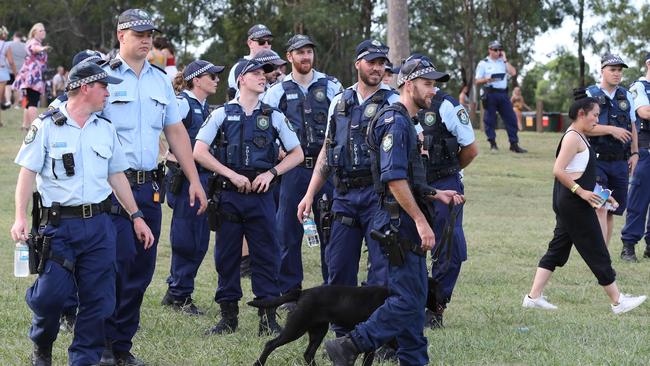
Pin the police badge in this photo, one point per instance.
(387, 142)
(370, 110)
(429, 118)
(462, 116)
(319, 94)
(623, 105)
(262, 122)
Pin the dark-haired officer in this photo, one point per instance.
(259, 38)
(398, 175)
(614, 138)
(304, 97)
(189, 235)
(76, 159)
(243, 136)
(141, 108)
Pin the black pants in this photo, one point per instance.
(577, 224)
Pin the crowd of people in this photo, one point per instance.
(372, 164)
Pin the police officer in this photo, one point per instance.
(270, 57)
(83, 56)
(141, 107)
(399, 178)
(304, 96)
(345, 155)
(639, 196)
(189, 234)
(450, 147)
(76, 159)
(616, 156)
(492, 72)
(244, 133)
(259, 38)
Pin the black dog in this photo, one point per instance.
(317, 307)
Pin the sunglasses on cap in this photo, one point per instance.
(410, 66)
(262, 42)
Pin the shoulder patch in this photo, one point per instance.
(387, 142)
(31, 134)
(463, 116)
(286, 120)
(115, 63)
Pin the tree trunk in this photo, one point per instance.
(398, 31)
(581, 57)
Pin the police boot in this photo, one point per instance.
(514, 147)
(127, 359)
(41, 356)
(108, 358)
(493, 145)
(228, 323)
(268, 324)
(628, 254)
(342, 351)
(646, 252)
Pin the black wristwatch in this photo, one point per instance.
(136, 214)
(634, 153)
(273, 171)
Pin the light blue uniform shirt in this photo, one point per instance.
(140, 108)
(97, 155)
(640, 96)
(184, 105)
(487, 67)
(209, 130)
(275, 93)
(630, 100)
(450, 115)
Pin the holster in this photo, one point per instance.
(214, 221)
(177, 178)
(160, 179)
(390, 243)
(326, 218)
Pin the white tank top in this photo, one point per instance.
(579, 162)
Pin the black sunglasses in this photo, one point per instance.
(262, 42)
(212, 76)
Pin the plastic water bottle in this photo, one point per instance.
(21, 260)
(309, 226)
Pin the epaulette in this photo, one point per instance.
(115, 63)
(159, 69)
(55, 114)
(104, 118)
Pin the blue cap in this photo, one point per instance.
(137, 20)
(259, 31)
(89, 72)
(269, 57)
(371, 49)
(388, 67)
(299, 41)
(251, 65)
(495, 45)
(419, 66)
(87, 56)
(612, 60)
(200, 67)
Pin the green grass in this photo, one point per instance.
(508, 223)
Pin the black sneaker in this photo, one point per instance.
(628, 254)
(127, 359)
(514, 147)
(41, 356)
(646, 252)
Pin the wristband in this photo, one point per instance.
(634, 153)
(274, 172)
(575, 187)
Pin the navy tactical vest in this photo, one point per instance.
(614, 113)
(307, 113)
(644, 132)
(347, 149)
(442, 146)
(247, 144)
(195, 117)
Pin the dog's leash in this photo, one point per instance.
(447, 234)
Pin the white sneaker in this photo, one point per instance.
(538, 303)
(627, 302)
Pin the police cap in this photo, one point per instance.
(87, 56)
(611, 59)
(299, 41)
(259, 31)
(251, 65)
(495, 45)
(199, 67)
(419, 66)
(89, 72)
(269, 57)
(137, 20)
(371, 49)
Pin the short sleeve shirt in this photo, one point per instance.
(488, 67)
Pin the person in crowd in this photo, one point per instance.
(7, 68)
(492, 73)
(59, 81)
(19, 54)
(141, 107)
(30, 77)
(76, 159)
(574, 200)
(518, 105)
(189, 234)
(259, 38)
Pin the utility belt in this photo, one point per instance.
(434, 175)
(52, 215)
(215, 214)
(139, 177)
(224, 184)
(344, 183)
(493, 90)
(623, 155)
(395, 247)
(309, 162)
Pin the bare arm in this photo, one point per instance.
(10, 59)
(124, 195)
(568, 151)
(26, 178)
(467, 154)
(618, 133)
(179, 142)
(293, 158)
(644, 112)
(318, 178)
(402, 193)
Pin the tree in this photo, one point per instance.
(398, 31)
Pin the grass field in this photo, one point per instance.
(508, 223)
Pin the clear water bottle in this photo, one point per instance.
(309, 226)
(21, 260)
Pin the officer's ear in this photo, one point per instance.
(289, 57)
(120, 35)
(356, 64)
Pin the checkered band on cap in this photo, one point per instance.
(135, 23)
(260, 33)
(198, 72)
(267, 58)
(414, 75)
(87, 80)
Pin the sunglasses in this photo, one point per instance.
(262, 42)
(410, 66)
(496, 49)
(212, 76)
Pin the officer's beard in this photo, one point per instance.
(370, 79)
(303, 68)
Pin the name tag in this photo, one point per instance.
(59, 144)
(197, 111)
(292, 96)
(120, 93)
(233, 118)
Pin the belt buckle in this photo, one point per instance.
(87, 211)
(309, 162)
(140, 176)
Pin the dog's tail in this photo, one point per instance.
(292, 295)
